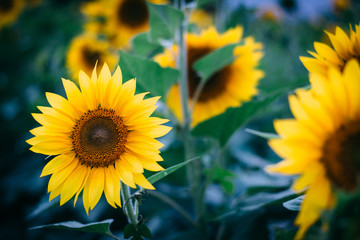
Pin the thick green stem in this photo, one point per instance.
(130, 211)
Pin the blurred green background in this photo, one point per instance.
(32, 61)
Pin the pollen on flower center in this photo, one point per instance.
(6, 5)
(91, 57)
(213, 86)
(341, 156)
(99, 137)
(133, 12)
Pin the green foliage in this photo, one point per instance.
(164, 22)
(149, 75)
(262, 134)
(143, 47)
(215, 61)
(137, 232)
(102, 227)
(157, 176)
(224, 125)
(223, 176)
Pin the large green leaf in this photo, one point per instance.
(214, 61)
(294, 204)
(143, 47)
(102, 227)
(149, 75)
(157, 176)
(164, 21)
(224, 125)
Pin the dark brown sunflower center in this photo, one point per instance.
(91, 57)
(133, 13)
(341, 156)
(6, 5)
(213, 86)
(99, 137)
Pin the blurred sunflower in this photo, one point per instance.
(9, 11)
(99, 136)
(122, 18)
(85, 51)
(345, 49)
(229, 87)
(321, 143)
(201, 18)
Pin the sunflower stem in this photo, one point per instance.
(194, 168)
(130, 211)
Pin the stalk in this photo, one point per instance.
(130, 211)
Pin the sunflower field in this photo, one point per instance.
(180, 119)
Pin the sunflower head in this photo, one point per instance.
(321, 143)
(126, 18)
(228, 87)
(10, 10)
(101, 135)
(85, 51)
(345, 48)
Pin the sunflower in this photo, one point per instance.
(344, 49)
(100, 136)
(201, 18)
(123, 18)
(9, 11)
(85, 51)
(229, 87)
(321, 143)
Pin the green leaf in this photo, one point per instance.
(262, 134)
(215, 61)
(224, 125)
(142, 47)
(164, 21)
(294, 204)
(144, 231)
(129, 231)
(228, 186)
(102, 227)
(149, 75)
(157, 176)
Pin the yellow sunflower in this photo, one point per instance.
(9, 11)
(126, 18)
(201, 18)
(100, 136)
(344, 49)
(85, 51)
(321, 143)
(229, 87)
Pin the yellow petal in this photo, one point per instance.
(61, 104)
(88, 91)
(131, 163)
(74, 95)
(73, 183)
(109, 186)
(60, 176)
(58, 163)
(97, 180)
(141, 181)
(125, 176)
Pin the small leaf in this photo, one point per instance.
(215, 61)
(294, 204)
(129, 231)
(149, 75)
(144, 231)
(157, 176)
(228, 186)
(262, 134)
(164, 21)
(102, 227)
(223, 126)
